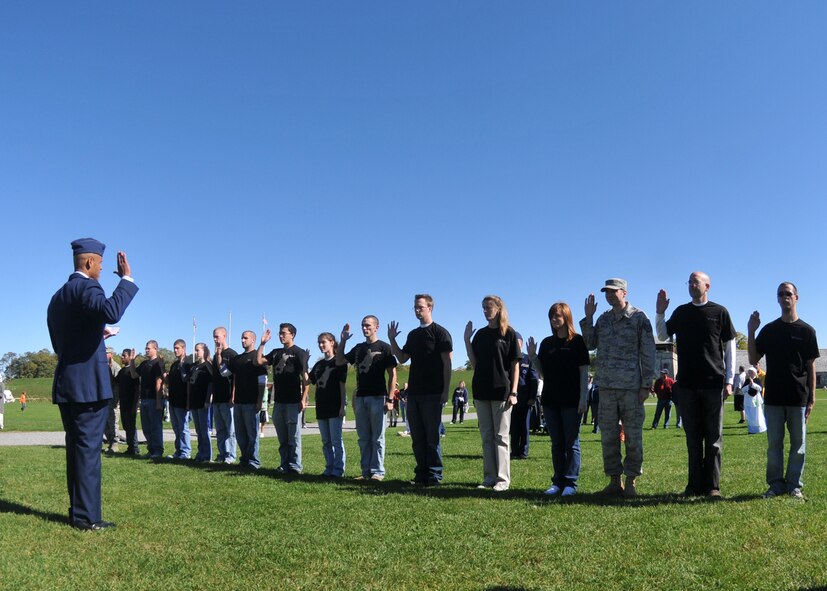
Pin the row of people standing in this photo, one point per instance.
(625, 369)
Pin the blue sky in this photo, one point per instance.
(321, 161)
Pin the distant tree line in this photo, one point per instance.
(33, 364)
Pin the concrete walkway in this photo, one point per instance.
(57, 438)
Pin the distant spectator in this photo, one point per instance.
(663, 391)
(460, 401)
(23, 401)
(753, 403)
(737, 398)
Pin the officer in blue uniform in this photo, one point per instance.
(77, 317)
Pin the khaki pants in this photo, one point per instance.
(494, 419)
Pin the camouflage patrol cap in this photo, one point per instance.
(614, 284)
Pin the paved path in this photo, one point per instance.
(10, 438)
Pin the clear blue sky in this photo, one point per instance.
(320, 161)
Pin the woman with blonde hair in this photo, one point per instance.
(494, 355)
(563, 363)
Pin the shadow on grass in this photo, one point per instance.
(12, 507)
(451, 490)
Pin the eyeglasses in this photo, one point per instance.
(785, 294)
(420, 308)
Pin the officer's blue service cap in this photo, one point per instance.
(87, 245)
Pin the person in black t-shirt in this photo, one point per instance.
(789, 388)
(329, 377)
(706, 352)
(151, 372)
(177, 380)
(563, 362)
(129, 392)
(290, 387)
(429, 349)
(249, 385)
(495, 355)
(199, 392)
(222, 397)
(375, 379)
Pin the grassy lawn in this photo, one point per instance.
(187, 527)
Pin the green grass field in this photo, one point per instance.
(187, 527)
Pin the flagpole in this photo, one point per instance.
(230, 329)
(194, 328)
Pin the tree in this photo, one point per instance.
(6, 361)
(39, 364)
(740, 341)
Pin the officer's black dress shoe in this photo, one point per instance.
(98, 525)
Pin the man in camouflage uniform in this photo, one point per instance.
(625, 368)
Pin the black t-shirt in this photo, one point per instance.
(788, 347)
(561, 362)
(289, 365)
(372, 360)
(701, 333)
(177, 383)
(222, 387)
(129, 388)
(150, 371)
(329, 380)
(249, 378)
(200, 385)
(425, 346)
(495, 357)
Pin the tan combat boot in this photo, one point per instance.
(631, 489)
(614, 488)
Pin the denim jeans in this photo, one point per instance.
(424, 421)
(564, 428)
(793, 418)
(246, 421)
(152, 424)
(181, 427)
(370, 427)
(494, 421)
(703, 420)
(201, 418)
(286, 421)
(224, 431)
(333, 447)
(663, 405)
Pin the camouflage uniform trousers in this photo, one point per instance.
(625, 406)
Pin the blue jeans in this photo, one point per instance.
(201, 418)
(246, 433)
(333, 447)
(224, 431)
(564, 428)
(181, 427)
(777, 418)
(152, 424)
(424, 421)
(370, 426)
(286, 421)
(663, 405)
